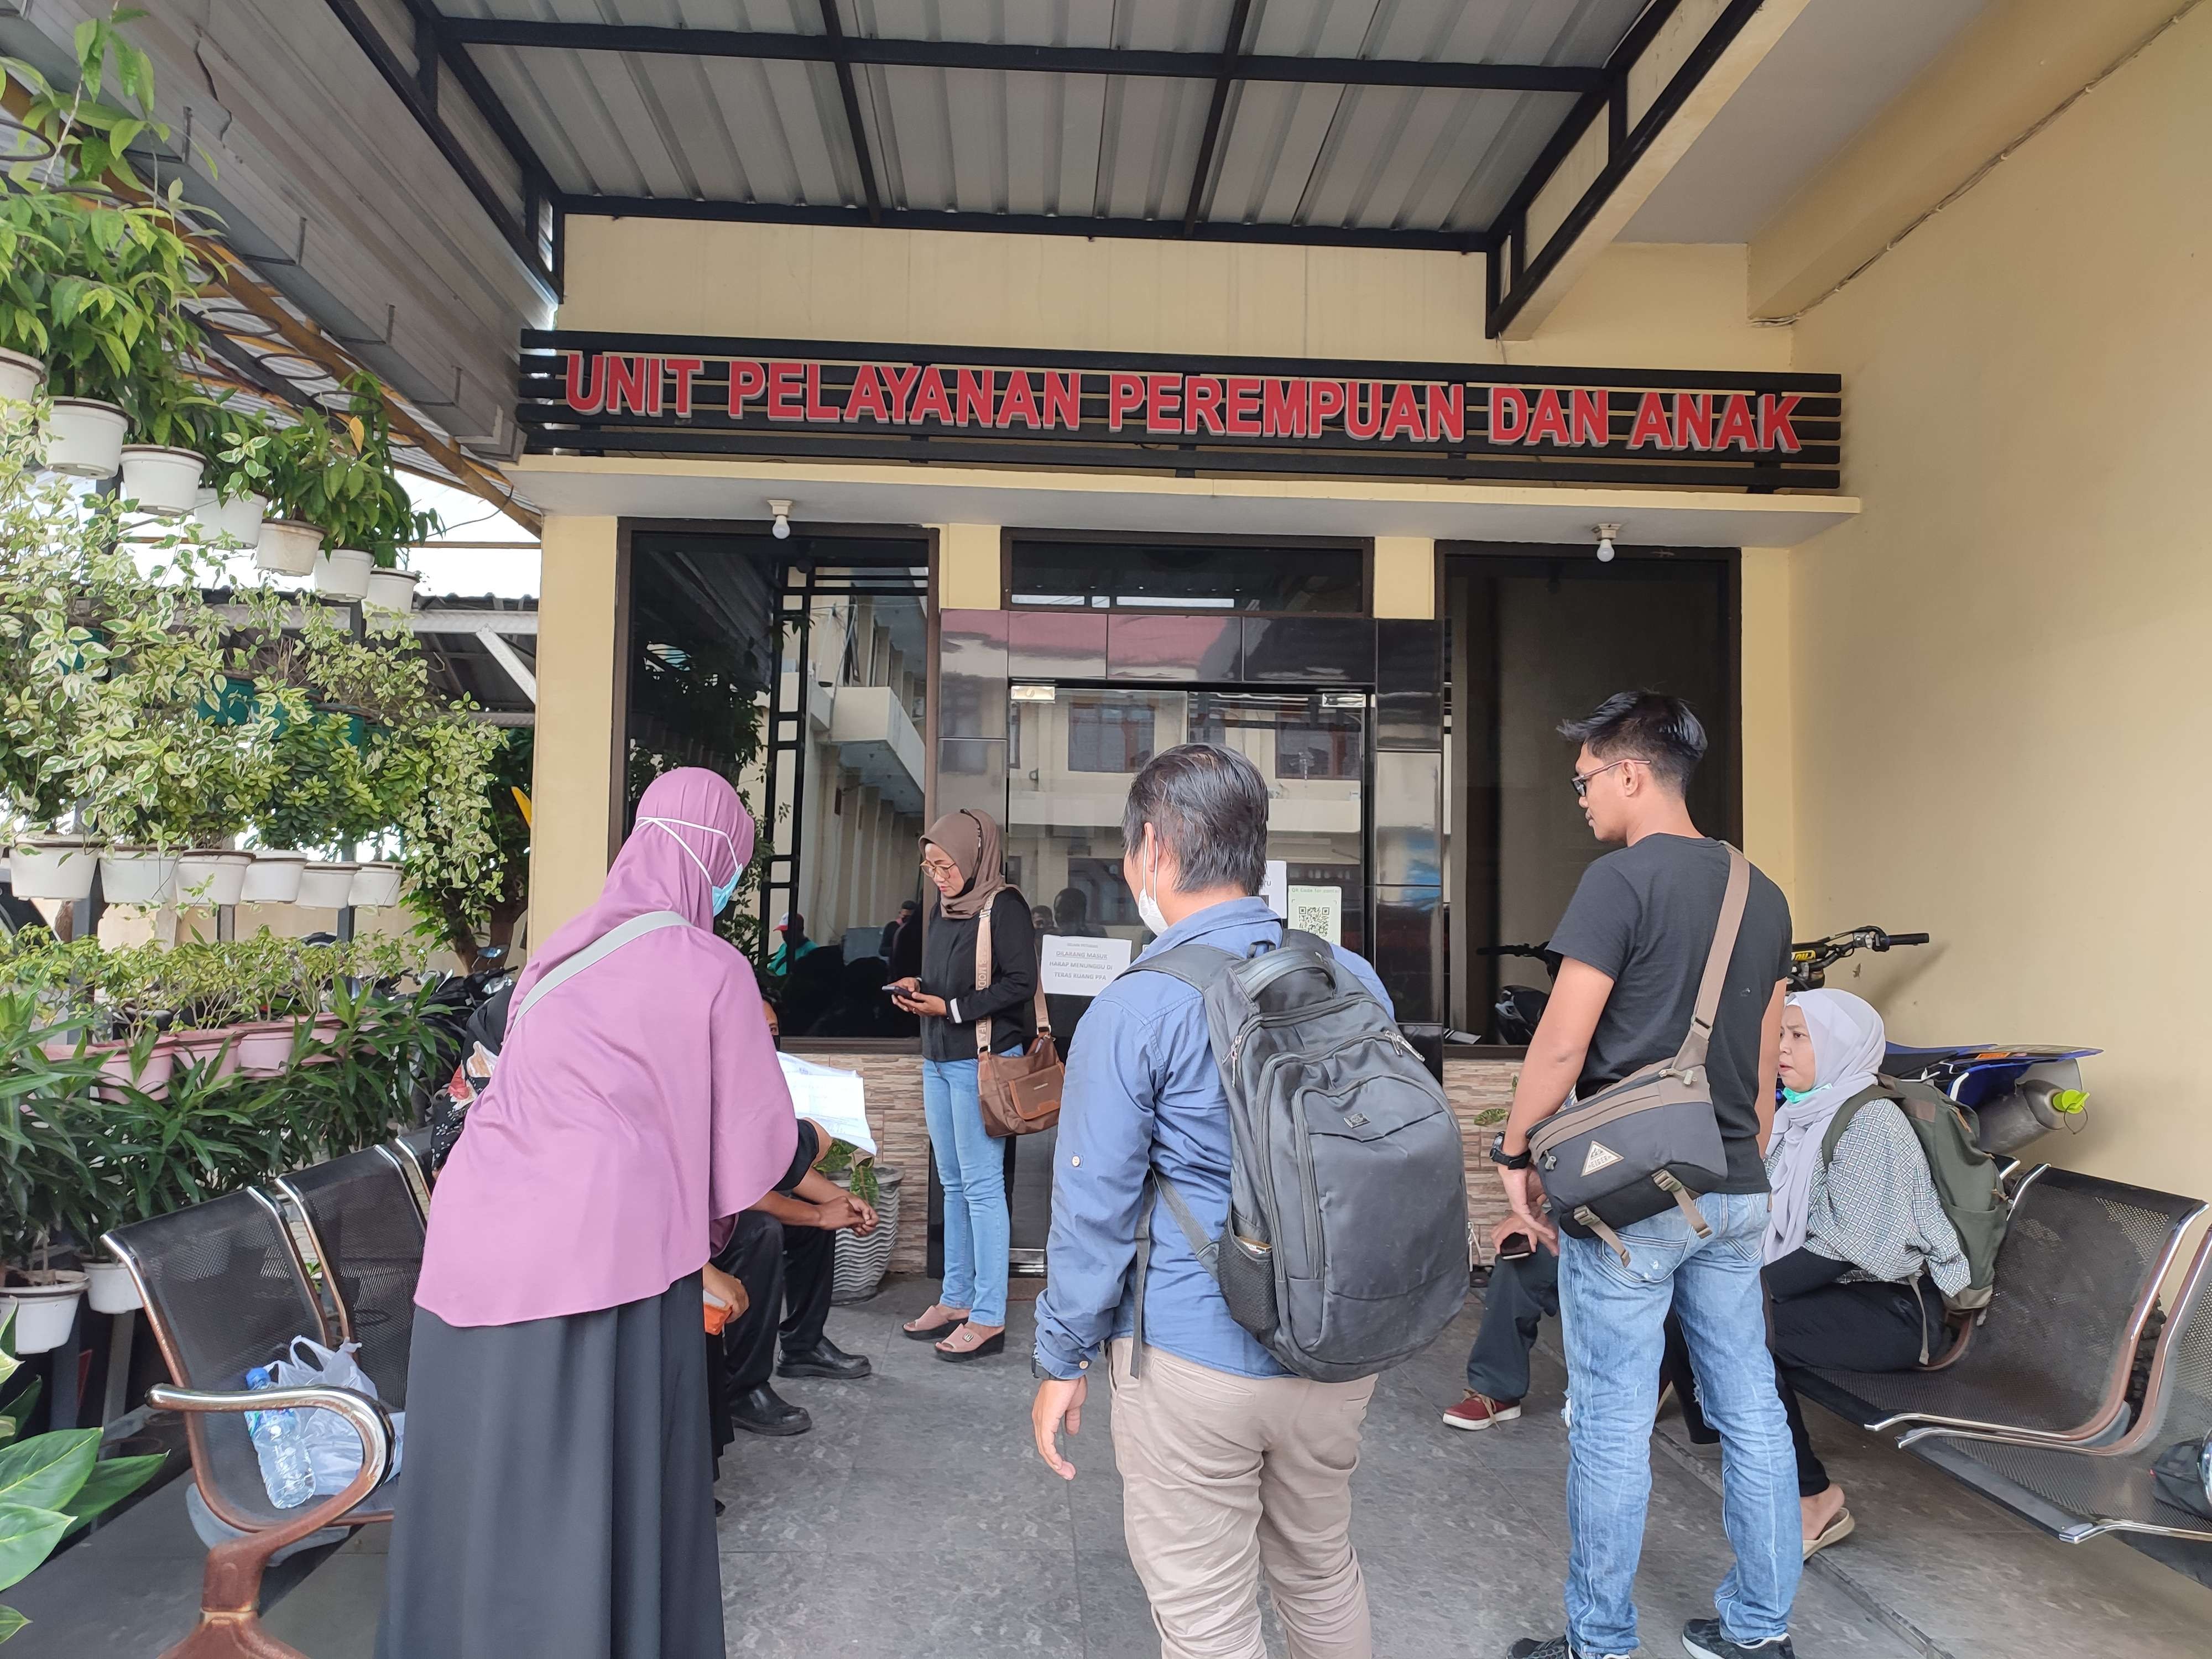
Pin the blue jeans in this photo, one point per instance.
(1612, 1319)
(971, 1167)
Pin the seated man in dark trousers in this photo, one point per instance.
(1523, 1292)
(783, 1251)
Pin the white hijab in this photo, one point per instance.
(1848, 1041)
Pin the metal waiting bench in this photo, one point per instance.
(227, 1288)
(2078, 1492)
(2050, 1359)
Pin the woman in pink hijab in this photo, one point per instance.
(555, 1498)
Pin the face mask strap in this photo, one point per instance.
(719, 893)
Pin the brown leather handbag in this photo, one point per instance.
(1020, 1093)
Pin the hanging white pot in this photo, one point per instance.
(45, 1309)
(273, 878)
(110, 1290)
(207, 877)
(52, 867)
(239, 521)
(84, 438)
(136, 875)
(376, 885)
(286, 547)
(21, 376)
(392, 590)
(326, 885)
(342, 573)
(161, 479)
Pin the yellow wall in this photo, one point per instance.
(2000, 692)
(572, 788)
(1639, 306)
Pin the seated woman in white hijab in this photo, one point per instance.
(1859, 1253)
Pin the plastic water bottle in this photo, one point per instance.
(281, 1446)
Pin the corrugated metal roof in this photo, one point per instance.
(715, 128)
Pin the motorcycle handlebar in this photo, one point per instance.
(1908, 939)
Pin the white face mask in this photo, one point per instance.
(723, 891)
(1148, 903)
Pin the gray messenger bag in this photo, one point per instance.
(1651, 1140)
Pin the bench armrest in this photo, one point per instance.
(366, 1417)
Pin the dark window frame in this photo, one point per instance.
(1009, 535)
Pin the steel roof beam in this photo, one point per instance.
(1009, 57)
(1024, 224)
(833, 33)
(1215, 112)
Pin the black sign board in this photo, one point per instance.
(653, 394)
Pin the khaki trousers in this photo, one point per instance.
(1225, 1476)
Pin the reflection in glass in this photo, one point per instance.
(1108, 575)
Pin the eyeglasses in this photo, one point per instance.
(1582, 779)
(939, 867)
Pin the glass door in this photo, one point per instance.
(1072, 753)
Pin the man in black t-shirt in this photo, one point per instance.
(1634, 942)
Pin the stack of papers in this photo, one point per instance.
(831, 1097)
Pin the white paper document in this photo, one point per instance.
(1319, 911)
(1276, 888)
(831, 1097)
(1082, 967)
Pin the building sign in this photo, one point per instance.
(654, 394)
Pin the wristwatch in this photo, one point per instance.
(1506, 1160)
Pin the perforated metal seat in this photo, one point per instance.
(2075, 1283)
(366, 1229)
(2077, 1492)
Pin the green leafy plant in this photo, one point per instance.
(238, 441)
(844, 1158)
(51, 1485)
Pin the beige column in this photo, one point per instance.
(1406, 577)
(968, 568)
(572, 796)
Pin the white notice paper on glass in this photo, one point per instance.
(1276, 888)
(831, 1097)
(1082, 967)
(1319, 911)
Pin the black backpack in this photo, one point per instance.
(1346, 1248)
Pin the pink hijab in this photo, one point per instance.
(635, 1111)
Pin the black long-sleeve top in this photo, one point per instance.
(948, 970)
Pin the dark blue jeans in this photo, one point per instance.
(1520, 1296)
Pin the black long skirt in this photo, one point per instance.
(555, 1498)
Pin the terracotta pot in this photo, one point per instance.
(326, 885)
(45, 1309)
(152, 1079)
(239, 521)
(58, 867)
(274, 878)
(136, 875)
(161, 479)
(376, 885)
(21, 377)
(265, 1048)
(342, 573)
(110, 1290)
(84, 438)
(286, 547)
(197, 1048)
(209, 877)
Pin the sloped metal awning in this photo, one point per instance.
(1489, 126)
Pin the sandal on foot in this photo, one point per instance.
(996, 1343)
(1835, 1532)
(944, 1327)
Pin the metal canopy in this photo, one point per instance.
(1410, 124)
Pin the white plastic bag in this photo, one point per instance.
(333, 1447)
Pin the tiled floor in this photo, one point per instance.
(915, 1521)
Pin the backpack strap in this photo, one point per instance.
(652, 921)
(1196, 965)
(1842, 1120)
(1691, 1056)
(1206, 1249)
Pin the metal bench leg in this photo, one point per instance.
(230, 1605)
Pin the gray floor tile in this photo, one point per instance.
(924, 1604)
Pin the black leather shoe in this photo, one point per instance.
(764, 1411)
(824, 1358)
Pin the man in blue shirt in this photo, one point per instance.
(1229, 1464)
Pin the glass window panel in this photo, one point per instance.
(1189, 576)
(1108, 736)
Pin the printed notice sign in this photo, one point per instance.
(1318, 911)
(1081, 967)
(1276, 888)
(831, 1097)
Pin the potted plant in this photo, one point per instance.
(234, 489)
(161, 471)
(56, 1482)
(861, 1262)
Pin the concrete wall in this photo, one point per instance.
(1999, 696)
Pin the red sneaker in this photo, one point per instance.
(1480, 1411)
